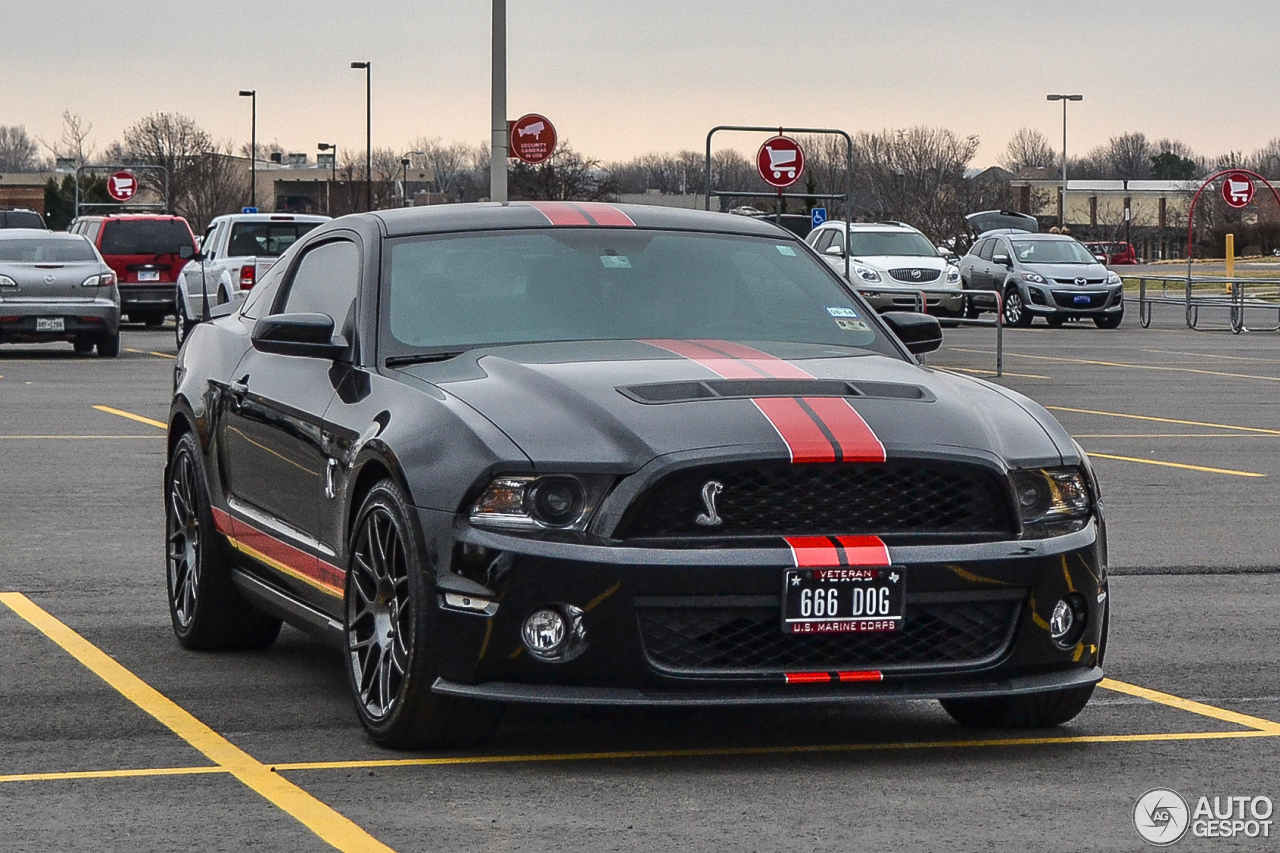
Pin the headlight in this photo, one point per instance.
(866, 273)
(1034, 277)
(1052, 501)
(953, 275)
(1112, 278)
(532, 502)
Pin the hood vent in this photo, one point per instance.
(721, 389)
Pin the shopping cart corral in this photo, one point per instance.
(1239, 298)
(923, 294)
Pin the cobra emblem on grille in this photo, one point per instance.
(709, 492)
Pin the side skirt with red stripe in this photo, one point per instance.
(280, 555)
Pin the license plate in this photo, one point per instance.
(856, 599)
(148, 275)
(1083, 299)
(51, 324)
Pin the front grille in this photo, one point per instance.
(936, 635)
(780, 499)
(1067, 299)
(915, 276)
(1083, 282)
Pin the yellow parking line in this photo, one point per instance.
(152, 437)
(1215, 355)
(1203, 468)
(111, 774)
(131, 416)
(1262, 725)
(150, 352)
(1149, 435)
(992, 372)
(1260, 430)
(326, 823)
(1133, 366)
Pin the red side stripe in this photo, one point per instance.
(282, 552)
(866, 675)
(805, 440)
(559, 213)
(221, 521)
(856, 441)
(605, 214)
(807, 677)
(813, 552)
(864, 550)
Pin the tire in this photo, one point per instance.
(206, 610)
(182, 325)
(1028, 711)
(109, 346)
(388, 608)
(153, 320)
(84, 344)
(1104, 321)
(1015, 311)
(1055, 320)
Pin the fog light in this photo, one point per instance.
(545, 632)
(555, 634)
(1066, 625)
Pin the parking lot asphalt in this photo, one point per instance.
(113, 738)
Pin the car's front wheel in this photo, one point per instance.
(206, 609)
(1108, 321)
(1028, 711)
(181, 324)
(390, 662)
(1015, 310)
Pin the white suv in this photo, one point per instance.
(889, 263)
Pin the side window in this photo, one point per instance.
(837, 238)
(984, 250)
(325, 281)
(91, 230)
(207, 242)
(825, 236)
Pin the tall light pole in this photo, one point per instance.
(498, 142)
(405, 162)
(368, 131)
(333, 171)
(253, 147)
(1062, 210)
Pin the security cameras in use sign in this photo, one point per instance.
(533, 138)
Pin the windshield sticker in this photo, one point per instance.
(615, 262)
(786, 250)
(841, 311)
(852, 325)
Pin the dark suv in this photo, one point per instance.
(145, 250)
(17, 217)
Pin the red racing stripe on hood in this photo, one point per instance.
(560, 213)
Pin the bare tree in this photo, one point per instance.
(566, 175)
(74, 143)
(172, 141)
(1266, 160)
(450, 163)
(17, 150)
(1028, 148)
(217, 183)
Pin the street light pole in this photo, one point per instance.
(253, 147)
(368, 132)
(333, 171)
(498, 142)
(1062, 211)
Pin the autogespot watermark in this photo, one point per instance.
(1163, 817)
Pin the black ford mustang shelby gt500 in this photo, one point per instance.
(579, 453)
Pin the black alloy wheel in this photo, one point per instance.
(1015, 311)
(206, 610)
(390, 666)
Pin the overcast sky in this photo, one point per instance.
(623, 77)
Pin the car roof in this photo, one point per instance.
(274, 217)
(131, 216)
(484, 216)
(43, 233)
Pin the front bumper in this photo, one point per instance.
(907, 299)
(89, 317)
(702, 626)
(1063, 301)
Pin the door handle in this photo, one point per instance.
(240, 387)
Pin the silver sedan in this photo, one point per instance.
(56, 287)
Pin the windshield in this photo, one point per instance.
(265, 239)
(456, 292)
(145, 237)
(1052, 252)
(36, 250)
(872, 243)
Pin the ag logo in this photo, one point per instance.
(1161, 816)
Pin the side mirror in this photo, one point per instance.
(306, 335)
(834, 251)
(952, 258)
(919, 332)
(1003, 260)
(189, 253)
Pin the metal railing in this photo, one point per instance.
(921, 295)
(1236, 296)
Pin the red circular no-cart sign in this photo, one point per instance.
(533, 138)
(122, 186)
(780, 161)
(1237, 189)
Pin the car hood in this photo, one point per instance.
(616, 405)
(990, 220)
(1091, 272)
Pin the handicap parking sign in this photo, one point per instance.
(819, 216)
